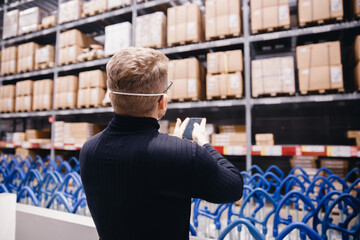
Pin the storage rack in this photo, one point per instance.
(245, 41)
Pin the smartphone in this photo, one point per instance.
(190, 127)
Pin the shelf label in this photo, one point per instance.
(26, 145)
(69, 147)
(236, 150)
(315, 149)
(298, 151)
(322, 98)
(257, 148)
(338, 151)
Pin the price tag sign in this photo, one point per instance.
(236, 150)
(51, 119)
(316, 149)
(338, 151)
(272, 151)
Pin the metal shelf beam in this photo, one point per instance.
(26, 37)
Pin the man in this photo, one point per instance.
(139, 182)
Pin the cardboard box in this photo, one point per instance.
(94, 78)
(188, 77)
(117, 37)
(232, 128)
(90, 97)
(151, 30)
(65, 100)
(117, 3)
(9, 60)
(30, 19)
(94, 6)
(355, 7)
(19, 137)
(319, 10)
(273, 76)
(224, 85)
(316, 55)
(25, 152)
(45, 55)
(26, 56)
(66, 84)
(185, 24)
(353, 134)
(49, 21)
(36, 134)
(264, 139)
(75, 37)
(225, 62)
(321, 78)
(266, 15)
(222, 18)
(70, 11)
(24, 88)
(228, 139)
(11, 24)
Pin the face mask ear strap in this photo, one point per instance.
(139, 94)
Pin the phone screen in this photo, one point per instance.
(190, 127)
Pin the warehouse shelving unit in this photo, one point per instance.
(245, 41)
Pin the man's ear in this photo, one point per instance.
(163, 103)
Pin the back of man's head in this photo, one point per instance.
(136, 70)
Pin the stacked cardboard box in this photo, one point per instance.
(9, 61)
(117, 37)
(273, 76)
(48, 21)
(92, 86)
(93, 7)
(319, 67)
(11, 24)
(25, 152)
(66, 92)
(58, 131)
(185, 24)
(354, 135)
(339, 167)
(30, 19)
(355, 7)
(151, 30)
(319, 10)
(24, 96)
(43, 95)
(78, 133)
(188, 77)
(26, 57)
(229, 135)
(264, 139)
(224, 78)
(70, 11)
(269, 14)
(31, 134)
(223, 18)
(45, 57)
(117, 3)
(19, 137)
(71, 45)
(7, 98)
(356, 59)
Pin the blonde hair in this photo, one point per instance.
(136, 70)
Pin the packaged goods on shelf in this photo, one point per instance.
(268, 15)
(66, 92)
(30, 19)
(24, 88)
(185, 24)
(273, 76)
(94, 52)
(224, 85)
(7, 97)
(232, 128)
(188, 77)
(355, 135)
(24, 96)
(36, 134)
(264, 139)
(58, 131)
(319, 10)
(26, 57)
(355, 7)
(23, 103)
(78, 133)
(69, 55)
(357, 76)
(93, 78)
(223, 18)
(42, 99)
(19, 137)
(91, 88)
(339, 167)
(45, 57)
(70, 11)
(319, 66)
(48, 21)
(117, 3)
(25, 152)
(151, 30)
(117, 37)
(225, 62)
(228, 139)
(11, 24)
(93, 7)
(9, 60)
(308, 162)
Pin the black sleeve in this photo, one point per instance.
(214, 178)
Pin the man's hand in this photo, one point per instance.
(199, 134)
(180, 127)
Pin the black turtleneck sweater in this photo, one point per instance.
(139, 182)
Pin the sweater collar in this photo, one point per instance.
(129, 123)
